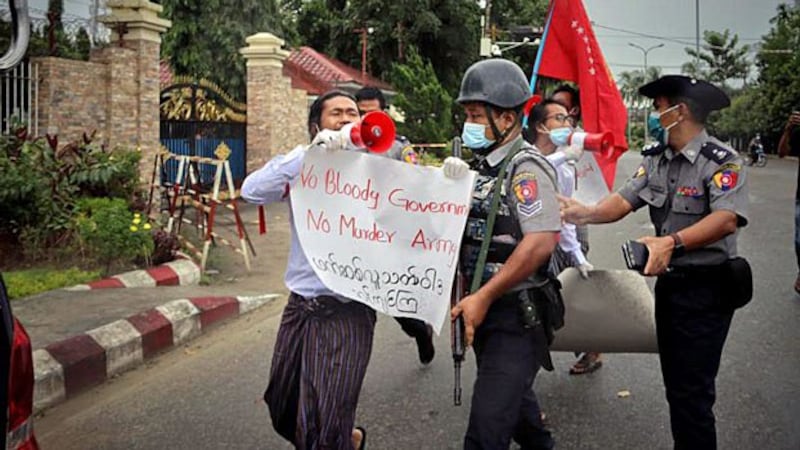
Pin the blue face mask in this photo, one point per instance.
(560, 136)
(654, 128)
(474, 136)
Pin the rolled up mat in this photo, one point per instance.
(611, 312)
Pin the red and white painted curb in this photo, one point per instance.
(64, 368)
(181, 272)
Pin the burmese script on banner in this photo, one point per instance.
(382, 232)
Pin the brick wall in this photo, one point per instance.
(116, 93)
(72, 97)
(148, 104)
(276, 115)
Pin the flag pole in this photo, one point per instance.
(539, 52)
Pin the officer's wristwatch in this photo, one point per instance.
(679, 249)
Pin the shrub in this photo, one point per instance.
(35, 199)
(40, 184)
(110, 232)
(429, 158)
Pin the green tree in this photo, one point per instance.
(639, 106)
(778, 62)
(720, 59)
(423, 101)
(324, 26)
(444, 32)
(629, 83)
(743, 119)
(67, 46)
(509, 16)
(206, 36)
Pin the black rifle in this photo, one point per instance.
(457, 327)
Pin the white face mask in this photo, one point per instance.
(558, 136)
(654, 128)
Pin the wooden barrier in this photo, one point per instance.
(186, 192)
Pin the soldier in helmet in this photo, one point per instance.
(696, 190)
(514, 305)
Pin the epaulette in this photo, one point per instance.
(716, 153)
(653, 149)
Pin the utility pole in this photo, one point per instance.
(94, 11)
(364, 33)
(697, 34)
(487, 31)
(645, 51)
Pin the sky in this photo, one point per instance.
(671, 20)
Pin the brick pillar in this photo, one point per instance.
(264, 85)
(132, 58)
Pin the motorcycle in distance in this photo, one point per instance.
(756, 156)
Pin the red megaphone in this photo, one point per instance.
(375, 132)
(602, 143)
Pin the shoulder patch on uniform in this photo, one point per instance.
(653, 149)
(533, 155)
(716, 153)
(727, 176)
(526, 191)
(409, 155)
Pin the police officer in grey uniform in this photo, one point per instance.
(371, 99)
(696, 189)
(510, 346)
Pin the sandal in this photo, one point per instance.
(363, 444)
(588, 363)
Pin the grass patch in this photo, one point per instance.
(22, 283)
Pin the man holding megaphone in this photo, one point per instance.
(569, 97)
(551, 130)
(314, 385)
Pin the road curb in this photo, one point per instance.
(65, 368)
(181, 272)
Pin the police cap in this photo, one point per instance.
(496, 81)
(708, 96)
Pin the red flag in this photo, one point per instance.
(571, 52)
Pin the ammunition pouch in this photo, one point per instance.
(543, 306)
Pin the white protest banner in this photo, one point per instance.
(382, 232)
(591, 187)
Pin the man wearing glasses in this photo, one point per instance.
(569, 97)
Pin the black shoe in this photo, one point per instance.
(425, 345)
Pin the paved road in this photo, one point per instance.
(208, 395)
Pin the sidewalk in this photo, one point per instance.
(86, 335)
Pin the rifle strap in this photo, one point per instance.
(477, 277)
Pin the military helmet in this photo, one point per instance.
(498, 82)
